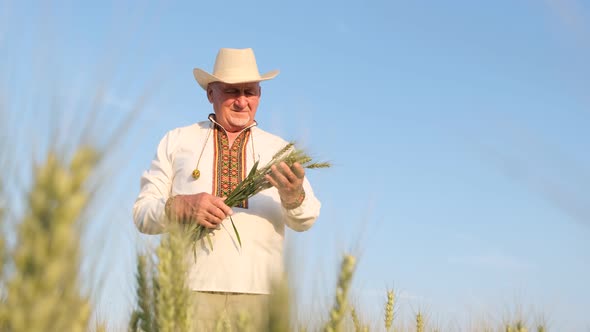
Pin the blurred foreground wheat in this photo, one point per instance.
(42, 290)
(164, 302)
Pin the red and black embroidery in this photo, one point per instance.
(229, 163)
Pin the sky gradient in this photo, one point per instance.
(458, 131)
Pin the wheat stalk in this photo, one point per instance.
(255, 182)
(541, 324)
(520, 326)
(46, 257)
(389, 310)
(341, 304)
(142, 318)
(173, 298)
(419, 322)
(356, 322)
(134, 321)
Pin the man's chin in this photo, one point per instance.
(241, 123)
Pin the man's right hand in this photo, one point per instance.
(205, 209)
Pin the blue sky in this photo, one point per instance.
(458, 131)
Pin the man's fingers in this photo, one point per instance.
(209, 220)
(207, 210)
(279, 176)
(224, 207)
(217, 214)
(298, 170)
(288, 173)
(271, 180)
(209, 224)
(294, 173)
(284, 178)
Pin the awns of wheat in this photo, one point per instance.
(256, 181)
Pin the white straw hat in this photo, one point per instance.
(233, 66)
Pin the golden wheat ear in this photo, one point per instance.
(341, 303)
(419, 322)
(389, 310)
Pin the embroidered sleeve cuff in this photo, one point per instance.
(295, 204)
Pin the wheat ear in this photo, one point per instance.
(341, 304)
(389, 310)
(419, 322)
(46, 259)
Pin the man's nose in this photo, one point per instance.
(241, 100)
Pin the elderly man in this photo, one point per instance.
(196, 166)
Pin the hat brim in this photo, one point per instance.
(204, 78)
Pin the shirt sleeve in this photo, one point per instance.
(149, 209)
(304, 216)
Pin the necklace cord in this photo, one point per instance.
(196, 172)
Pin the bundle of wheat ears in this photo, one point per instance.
(256, 181)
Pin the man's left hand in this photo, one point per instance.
(289, 183)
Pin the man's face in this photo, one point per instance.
(234, 104)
